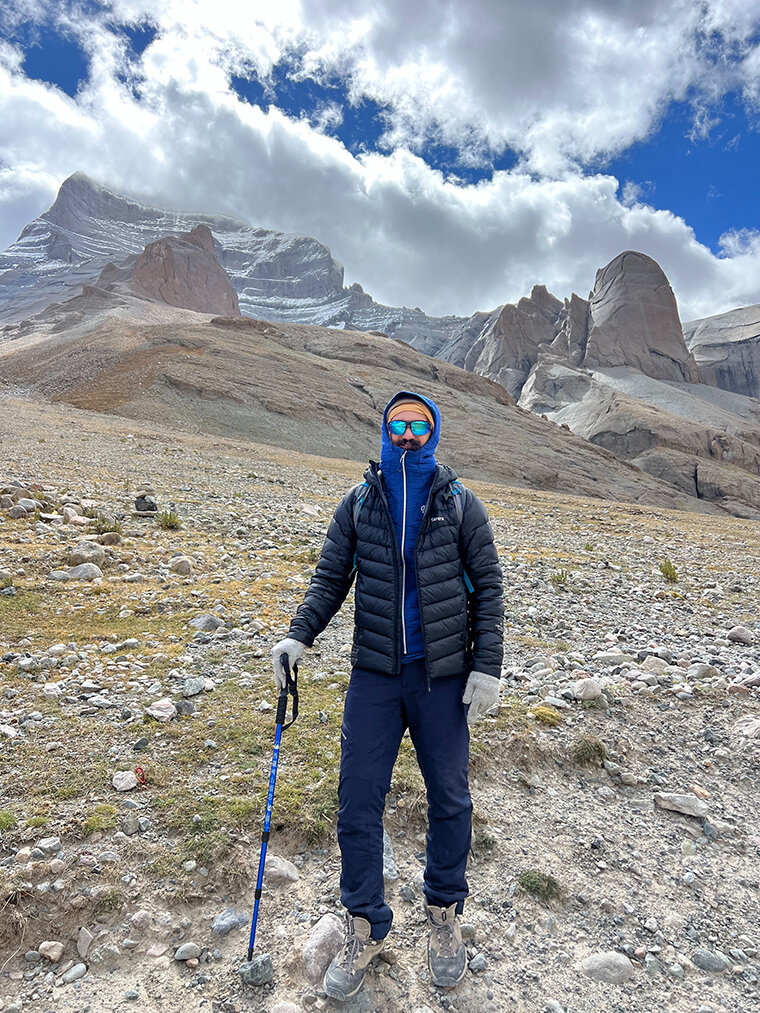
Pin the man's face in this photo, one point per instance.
(409, 441)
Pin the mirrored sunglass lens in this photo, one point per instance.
(397, 428)
(420, 428)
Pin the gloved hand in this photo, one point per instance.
(294, 650)
(481, 693)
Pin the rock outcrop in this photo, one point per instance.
(633, 321)
(507, 345)
(184, 272)
(727, 349)
(630, 319)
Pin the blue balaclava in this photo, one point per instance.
(422, 460)
(409, 498)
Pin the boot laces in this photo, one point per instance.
(444, 935)
(352, 947)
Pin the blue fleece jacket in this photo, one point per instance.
(408, 476)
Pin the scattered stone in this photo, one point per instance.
(74, 973)
(258, 971)
(52, 950)
(689, 805)
(140, 920)
(87, 571)
(130, 824)
(587, 689)
(390, 870)
(715, 963)
(207, 623)
(611, 967)
(748, 727)
(280, 870)
(324, 941)
(87, 552)
(740, 635)
(181, 565)
(49, 845)
(85, 939)
(229, 920)
(187, 951)
(162, 710)
(193, 685)
(125, 780)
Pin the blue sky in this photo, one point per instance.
(450, 162)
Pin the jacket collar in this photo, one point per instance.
(444, 475)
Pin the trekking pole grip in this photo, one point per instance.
(289, 689)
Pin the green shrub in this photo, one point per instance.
(7, 821)
(589, 751)
(539, 884)
(103, 525)
(669, 572)
(168, 520)
(547, 715)
(559, 579)
(102, 817)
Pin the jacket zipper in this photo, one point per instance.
(384, 501)
(417, 576)
(403, 555)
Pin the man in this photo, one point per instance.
(426, 656)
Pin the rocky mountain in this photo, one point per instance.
(727, 349)
(630, 319)
(616, 369)
(613, 368)
(300, 387)
(276, 276)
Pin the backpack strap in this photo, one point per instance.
(457, 491)
(360, 494)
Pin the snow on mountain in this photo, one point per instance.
(277, 276)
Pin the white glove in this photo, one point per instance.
(293, 650)
(481, 693)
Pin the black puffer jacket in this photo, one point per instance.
(462, 631)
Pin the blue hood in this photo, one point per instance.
(407, 490)
(422, 459)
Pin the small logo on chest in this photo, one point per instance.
(432, 519)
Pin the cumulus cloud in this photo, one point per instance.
(560, 84)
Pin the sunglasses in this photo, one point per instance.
(419, 427)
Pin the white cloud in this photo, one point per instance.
(563, 82)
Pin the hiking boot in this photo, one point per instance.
(345, 974)
(447, 956)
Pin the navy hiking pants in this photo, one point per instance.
(379, 708)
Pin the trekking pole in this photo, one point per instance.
(290, 687)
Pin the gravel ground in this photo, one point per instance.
(624, 694)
